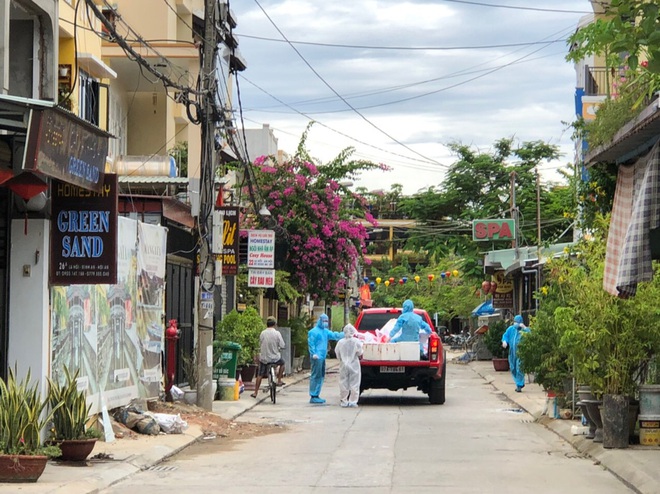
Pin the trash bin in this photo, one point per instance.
(225, 363)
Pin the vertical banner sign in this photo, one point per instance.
(261, 249)
(229, 240)
(151, 254)
(83, 239)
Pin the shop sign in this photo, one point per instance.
(83, 238)
(261, 278)
(64, 148)
(230, 240)
(493, 230)
(503, 296)
(261, 249)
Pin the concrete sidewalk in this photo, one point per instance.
(637, 466)
(127, 456)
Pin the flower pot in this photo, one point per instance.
(615, 421)
(593, 410)
(21, 468)
(248, 372)
(649, 399)
(190, 396)
(590, 421)
(76, 449)
(501, 364)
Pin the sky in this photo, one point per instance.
(400, 80)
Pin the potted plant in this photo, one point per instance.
(191, 372)
(23, 456)
(243, 328)
(70, 416)
(493, 341)
(606, 339)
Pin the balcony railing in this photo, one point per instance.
(598, 81)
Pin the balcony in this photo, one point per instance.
(598, 81)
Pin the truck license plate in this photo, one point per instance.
(392, 369)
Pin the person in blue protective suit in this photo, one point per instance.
(510, 340)
(317, 341)
(408, 325)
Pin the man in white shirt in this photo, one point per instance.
(271, 345)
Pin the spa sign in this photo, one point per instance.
(504, 229)
(83, 236)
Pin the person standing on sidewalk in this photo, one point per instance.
(317, 341)
(510, 339)
(349, 350)
(271, 346)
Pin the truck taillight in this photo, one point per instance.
(433, 354)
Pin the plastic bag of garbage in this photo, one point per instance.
(169, 423)
(148, 425)
(176, 393)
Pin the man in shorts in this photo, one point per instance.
(271, 346)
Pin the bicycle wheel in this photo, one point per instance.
(272, 385)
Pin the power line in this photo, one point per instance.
(400, 48)
(352, 138)
(515, 7)
(402, 86)
(338, 95)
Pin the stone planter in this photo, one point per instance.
(593, 411)
(615, 421)
(649, 399)
(190, 396)
(21, 468)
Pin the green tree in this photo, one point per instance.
(629, 28)
(478, 186)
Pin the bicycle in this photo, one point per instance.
(272, 382)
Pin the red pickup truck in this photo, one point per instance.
(427, 375)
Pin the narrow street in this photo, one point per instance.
(478, 442)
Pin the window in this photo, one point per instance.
(89, 98)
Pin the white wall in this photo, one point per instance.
(29, 322)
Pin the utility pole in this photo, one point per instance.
(206, 272)
(514, 212)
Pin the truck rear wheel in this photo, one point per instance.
(437, 389)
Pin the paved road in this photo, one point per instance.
(395, 442)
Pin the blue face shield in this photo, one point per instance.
(326, 324)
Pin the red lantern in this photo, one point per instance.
(431, 277)
(485, 286)
(5, 175)
(493, 287)
(448, 274)
(391, 280)
(400, 282)
(26, 185)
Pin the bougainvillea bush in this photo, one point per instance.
(317, 219)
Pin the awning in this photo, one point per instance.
(484, 309)
(95, 66)
(52, 141)
(632, 140)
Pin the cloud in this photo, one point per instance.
(402, 107)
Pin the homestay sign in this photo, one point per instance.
(261, 249)
(83, 234)
(502, 229)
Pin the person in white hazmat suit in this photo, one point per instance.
(348, 351)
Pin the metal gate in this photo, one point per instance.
(179, 306)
